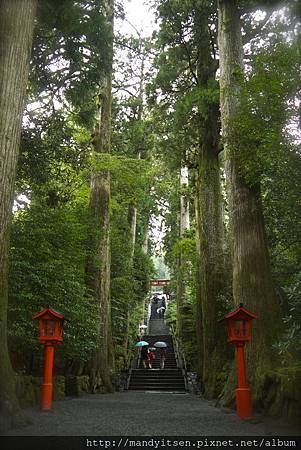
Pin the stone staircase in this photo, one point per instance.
(157, 327)
(169, 379)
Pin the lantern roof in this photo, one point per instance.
(49, 311)
(240, 313)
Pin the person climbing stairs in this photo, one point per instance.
(171, 378)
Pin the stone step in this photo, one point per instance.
(156, 361)
(159, 377)
(170, 378)
(158, 388)
(157, 380)
(157, 367)
(166, 367)
(157, 385)
(177, 370)
(153, 375)
(150, 384)
(157, 371)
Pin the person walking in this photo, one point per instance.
(162, 357)
(142, 333)
(150, 358)
(159, 313)
(144, 357)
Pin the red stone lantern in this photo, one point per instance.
(51, 333)
(239, 332)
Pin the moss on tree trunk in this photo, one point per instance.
(16, 27)
(98, 265)
(210, 271)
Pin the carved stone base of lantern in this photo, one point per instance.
(244, 403)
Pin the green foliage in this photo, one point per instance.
(268, 106)
(281, 201)
(289, 344)
(69, 58)
(160, 267)
(171, 314)
(129, 284)
(185, 247)
(265, 134)
(74, 57)
(53, 152)
(188, 345)
(130, 177)
(149, 145)
(47, 269)
(176, 94)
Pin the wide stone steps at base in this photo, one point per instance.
(174, 386)
(171, 380)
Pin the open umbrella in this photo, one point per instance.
(160, 344)
(152, 349)
(141, 344)
(143, 326)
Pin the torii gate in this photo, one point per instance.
(157, 282)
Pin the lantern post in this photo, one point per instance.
(239, 332)
(51, 333)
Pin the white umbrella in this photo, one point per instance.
(143, 326)
(160, 344)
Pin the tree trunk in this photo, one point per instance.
(16, 27)
(132, 209)
(145, 240)
(184, 202)
(184, 225)
(98, 266)
(198, 292)
(132, 219)
(210, 270)
(252, 283)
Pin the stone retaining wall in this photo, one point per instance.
(278, 393)
(28, 387)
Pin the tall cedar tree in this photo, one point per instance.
(16, 28)
(184, 225)
(252, 283)
(210, 270)
(98, 267)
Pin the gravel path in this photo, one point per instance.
(145, 414)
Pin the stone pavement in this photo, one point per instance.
(145, 414)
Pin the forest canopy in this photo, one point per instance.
(174, 155)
